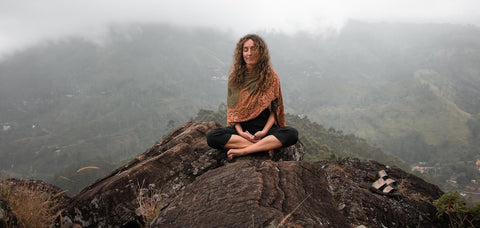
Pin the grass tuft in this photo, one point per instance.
(149, 203)
(402, 189)
(32, 206)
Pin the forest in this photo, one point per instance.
(402, 94)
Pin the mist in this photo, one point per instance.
(402, 75)
(23, 24)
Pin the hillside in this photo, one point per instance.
(386, 82)
(410, 89)
(71, 103)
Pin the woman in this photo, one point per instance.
(255, 115)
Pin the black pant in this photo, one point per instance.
(218, 138)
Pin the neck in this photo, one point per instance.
(250, 68)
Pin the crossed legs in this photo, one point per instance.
(227, 138)
(238, 146)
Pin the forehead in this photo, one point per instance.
(249, 43)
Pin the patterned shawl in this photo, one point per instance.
(246, 102)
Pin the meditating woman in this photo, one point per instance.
(255, 114)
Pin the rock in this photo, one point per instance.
(169, 166)
(412, 208)
(163, 170)
(292, 153)
(255, 193)
(194, 185)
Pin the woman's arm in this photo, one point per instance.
(271, 120)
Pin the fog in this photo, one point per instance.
(23, 23)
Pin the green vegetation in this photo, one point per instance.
(459, 214)
(73, 103)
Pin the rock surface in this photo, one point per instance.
(195, 186)
(165, 169)
(255, 193)
(411, 208)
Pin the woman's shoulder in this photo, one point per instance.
(274, 75)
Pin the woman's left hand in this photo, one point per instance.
(259, 135)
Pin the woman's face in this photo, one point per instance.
(250, 54)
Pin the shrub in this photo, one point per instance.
(452, 205)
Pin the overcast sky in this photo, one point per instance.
(25, 22)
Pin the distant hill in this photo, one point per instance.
(72, 101)
(410, 89)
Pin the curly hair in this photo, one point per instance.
(264, 67)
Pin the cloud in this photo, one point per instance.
(23, 23)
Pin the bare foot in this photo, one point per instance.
(232, 153)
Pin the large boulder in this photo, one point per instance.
(164, 170)
(263, 193)
(195, 186)
(255, 193)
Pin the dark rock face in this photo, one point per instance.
(197, 187)
(165, 169)
(411, 208)
(255, 193)
(292, 153)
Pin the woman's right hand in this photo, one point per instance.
(245, 134)
(248, 136)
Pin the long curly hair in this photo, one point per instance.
(263, 69)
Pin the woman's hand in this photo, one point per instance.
(248, 136)
(244, 134)
(259, 135)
